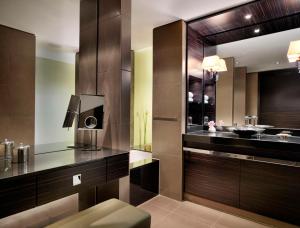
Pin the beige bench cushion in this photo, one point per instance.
(109, 214)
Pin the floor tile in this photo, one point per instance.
(198, 213)
(230, 221)
(165, 203)
(169, 213)
(157, 214)
(180, 221)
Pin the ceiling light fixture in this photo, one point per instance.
(248, 16)
(257, 30)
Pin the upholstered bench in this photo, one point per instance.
(112, 213)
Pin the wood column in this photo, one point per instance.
(169, 54)
(105, 65)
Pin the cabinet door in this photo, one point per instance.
(211, 177)
(271, 190)
(16, 195)
(57, 184)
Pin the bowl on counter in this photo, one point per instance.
(248, 132)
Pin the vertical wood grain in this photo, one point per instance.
(169, 48)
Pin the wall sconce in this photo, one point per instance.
(214, 64)
(294, 53)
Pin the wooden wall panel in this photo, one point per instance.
(106, 65)
(252, 97)
(224, 94)
(114, 71)
(169, 48)
(239, 95)
(17, 85)
(88, 47)
(279, 98)
(86, 82)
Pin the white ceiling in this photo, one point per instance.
(261, 53)
(56, 22)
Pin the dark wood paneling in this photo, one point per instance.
(17, 85)
(271, 190)
(88, 47)
(86, 82)
(211, 177)
(58, 184)
(16, 195)
(261, 11)
(269, 15)
(117, 167)
(114, 76)
(281, 24)
(279, 98)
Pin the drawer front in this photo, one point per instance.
(57, 184)
(271, 190)
(117, 167)
(213, 178)
(16, 195)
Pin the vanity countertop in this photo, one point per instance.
(53, 156)
(269, 146)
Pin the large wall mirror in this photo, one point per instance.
(38, 44)
(260, 80)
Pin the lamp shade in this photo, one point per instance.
(294, 51)
(214, 63)
(222, 66)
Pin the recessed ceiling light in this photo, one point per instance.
(248, 16)
(257, 30)
(277, 63)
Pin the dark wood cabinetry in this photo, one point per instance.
(16, 195)
(26, 191)
(117, 167)
(57, 184)
(212, 178)
(271, 190)
(268, 189)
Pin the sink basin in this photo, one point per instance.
(245, 133)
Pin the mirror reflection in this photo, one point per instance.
(259, 86)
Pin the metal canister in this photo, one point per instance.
(22, 153)
(8, 149)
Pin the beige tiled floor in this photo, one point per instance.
(168, 213)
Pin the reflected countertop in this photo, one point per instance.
(52, 156)
(270, 146)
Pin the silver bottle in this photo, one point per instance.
(22, 153)
(8, 149)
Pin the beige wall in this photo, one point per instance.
(239, 97)
(224, 94)
(252, 94)
(169, 105)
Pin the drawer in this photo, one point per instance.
(117, 166)
(16, 195)
(58, 184)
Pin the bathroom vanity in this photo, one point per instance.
(51, 175)
(256, 175)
